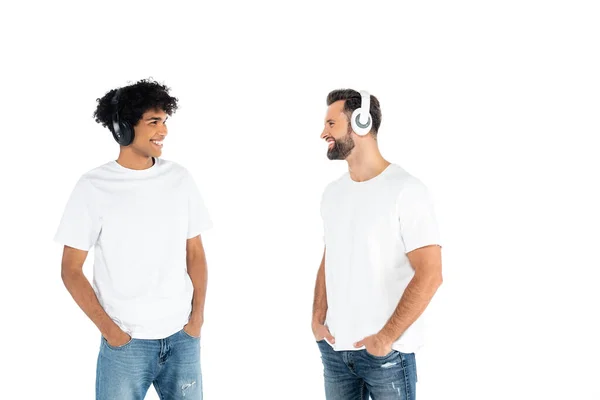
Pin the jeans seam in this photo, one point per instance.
(98, 375)
(157, 387)
(352, 371)
(406, 378)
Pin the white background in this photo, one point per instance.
(493, 105)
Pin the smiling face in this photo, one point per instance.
(337, 132)
(150, 132)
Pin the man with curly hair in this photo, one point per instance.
(143, 215)
(381, 264)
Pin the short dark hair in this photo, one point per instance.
(352, 102)
(134, 101)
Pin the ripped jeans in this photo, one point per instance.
(172, 365)
(358, 375)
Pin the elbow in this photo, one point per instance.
(433, 280)
(65, 276)
(68, 274)
(437, 279)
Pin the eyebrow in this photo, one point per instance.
(155, 119)
(330, 120)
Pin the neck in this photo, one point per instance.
(365, 161)
(128, 158)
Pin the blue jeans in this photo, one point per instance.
(356, 375)
(172, 365)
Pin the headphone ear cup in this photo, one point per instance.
(127, 133)
(359, 128)
(114, 133)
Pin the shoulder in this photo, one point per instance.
(172, 166)
(403, 181)
(409, 190)
(181, 173)
(87, 180)
(174, 171)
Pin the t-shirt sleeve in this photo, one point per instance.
(199, 219)
(80, 224)
(418, 223)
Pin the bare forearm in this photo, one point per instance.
(320, 299)
(414, 301)
(198, 272)
(85, 297)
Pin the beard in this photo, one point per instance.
(342, 147)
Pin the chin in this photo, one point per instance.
(334, 156)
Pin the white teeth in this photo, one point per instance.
(156, 142)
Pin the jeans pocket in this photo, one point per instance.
(117, 347)
(389, 355)
(190, 336)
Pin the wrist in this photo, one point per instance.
(196, 319)
(111, 330)
(317, 322)
(384, 339)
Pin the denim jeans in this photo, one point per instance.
(356, 375)
(172, 365)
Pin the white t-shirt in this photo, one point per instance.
(369, 227)
(138, 222)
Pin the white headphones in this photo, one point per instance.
(361, 118)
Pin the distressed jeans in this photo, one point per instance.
(171, 364)
(356, 375)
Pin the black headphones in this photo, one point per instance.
(121, 130)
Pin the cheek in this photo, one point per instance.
(142, 135)
(338, 134)
(341, 131)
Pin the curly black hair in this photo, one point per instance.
(134, 101)
(352, 102)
